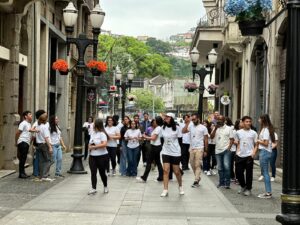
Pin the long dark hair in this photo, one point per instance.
(228, 121)
(129, 120)
(237, 124)
(98, 126)
(52, 124)
(159, 121)
(208, 126)
(266, 122)
(107, 118)
(171, 124)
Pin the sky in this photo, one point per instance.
(155, 18)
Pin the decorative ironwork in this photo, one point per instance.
(214, 18)
(282, 3)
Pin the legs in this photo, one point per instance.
(232, 174)
(102, 165)
(157, 151)
(132, 155)
(23, 148)
(195, 160)
(240, 168)
(123, 159)
(177, 172)
(57, 158)
(273, 162)
(112, 152)
(166, 167)
(212, 153)
(86, 146)
(150, 159)
(227, 163)
(264, 159)
(44, 160)
(185, 156)
(93, 168)
(249, 172)
(36, 162)
(220, 162)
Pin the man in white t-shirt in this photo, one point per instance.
(198, 145)
(23, 139)
(246, 150)
(224, 139)
(185, 154)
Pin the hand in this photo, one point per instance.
(204, 154)
(50, 150)
(64, 147)
(253, 155)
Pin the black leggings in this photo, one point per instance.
(100, 163)
(112, 153)
(22, 156)
(154, 155)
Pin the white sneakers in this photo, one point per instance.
(92, 191)
(165, 192)
(261, 178)
(140, 180)
(272, 179)
(208, 173)
(105, 190)
(47, 179)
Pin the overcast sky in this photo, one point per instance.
(155, 18)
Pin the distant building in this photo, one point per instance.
(143, 38)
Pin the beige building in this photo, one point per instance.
(32, 37)
(251, 70)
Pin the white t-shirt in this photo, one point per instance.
(55, 137)
(97, 138)
(265, 135)
(112, 131)
(89, 126)
(25, 135)
(171, 145)
(130, 133)
(222, 138)
(247, 140)
(233, 147)
(197, 134)
(186, 137)
(43, 133)
(156, 131)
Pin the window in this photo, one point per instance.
(222, 76)
(227, 73)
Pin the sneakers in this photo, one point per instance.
(164, 193)
(261, 178)
(144, 164)
(208, 173)
(181, 192)
(93, 191)
(213, 172)
(242, 190)
(114, 172)
(195, 184)
(105, 190)
(205, 172)
(265, 195)
(272, 179)
(59, 176)
(47, 179)
(140, 180)
(247, 192)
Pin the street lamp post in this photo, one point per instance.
(123, 85)
(70, 14)
(290, 198)
(202, 72)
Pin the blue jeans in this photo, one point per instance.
(123, 159)
(57, 158)
(132, 155)
(36, 163)
(223, 164)
(264, 160)
(273, 161)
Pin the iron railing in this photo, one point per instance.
(214, 18)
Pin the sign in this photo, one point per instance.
(225, 100)
(91, 94)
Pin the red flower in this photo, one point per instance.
(99, 65)
(60, 65)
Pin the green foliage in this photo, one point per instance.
(145, 99)
(159, 46)
(181, 67)
(129, 53)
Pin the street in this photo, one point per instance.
(65, 201)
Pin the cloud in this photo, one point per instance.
(157, 18)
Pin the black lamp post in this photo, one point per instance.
(290, 198)
(124, 86)
(202, 72)
(70, 18)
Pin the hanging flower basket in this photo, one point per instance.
(61, 66)
(97, 67)
(131, 97)
(212, 89)
(102, 103)
(190, 87)
(252, 28)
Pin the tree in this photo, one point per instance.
(159, 46)
(145, 100)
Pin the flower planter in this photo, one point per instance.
(130, 99)
(252, 28)
(191, 89)
(64, 73)
(211, 92)
(96, 72)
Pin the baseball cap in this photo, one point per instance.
(171, 115)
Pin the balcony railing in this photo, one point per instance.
(214, 18)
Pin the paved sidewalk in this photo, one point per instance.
(128, 202)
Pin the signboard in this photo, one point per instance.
(225, 100)
(91, 94)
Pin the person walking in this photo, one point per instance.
(23, 139)
(246, 149)
(88, 128)
(123, 142)
(265, 140)
(154, 154)
(211, 154)
(274, 157)
(113, 136)
(237, 126)
(171, 152)
(98, 156)
(185, 154)
(57, 144)
(206, 157)
(133, 136)
(144, 125)
(119, 125)
(198, 147)
(224, 140)
(44, 146)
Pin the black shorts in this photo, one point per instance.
(174, 160)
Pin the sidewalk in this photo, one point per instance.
(127, 202)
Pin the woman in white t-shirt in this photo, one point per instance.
(171, 152)
(88, 128)
(266, 137)
(57, 144)
(113, 133)
(98, 156)
(133, 136)
(156, 147)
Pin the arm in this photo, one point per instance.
(18, 133)
(101, 145)
(263, 142)
(213, 133)
(230, 143)
(62, 143)
(49, 144)
(185, 129)
(117, 136)
(254, 150)
(205, 143)
(152, 138)
(274, 144)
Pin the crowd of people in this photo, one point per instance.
(211, 146)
